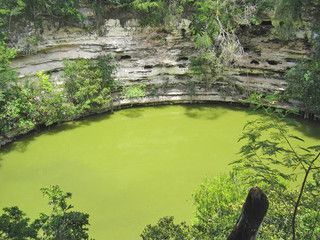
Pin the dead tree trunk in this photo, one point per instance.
(253, 212)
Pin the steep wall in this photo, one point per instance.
(160, 58)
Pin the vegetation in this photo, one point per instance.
(215, 24)
(12, 108)
(88, 83)
(61, 223)
(134, 92)
(87, 87)
(24, 11)
(304, 78)
(7, 74)
(271, 158)
(304, 84)
(274, 156)
(166, 229)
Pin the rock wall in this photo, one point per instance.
(160, 58)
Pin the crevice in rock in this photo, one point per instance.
(125, 57)
(182, 59)
(246, 49)
(250, 75)
(255, 62)
(266, 23)
(273, 62)
(183, 33)
(292, 60)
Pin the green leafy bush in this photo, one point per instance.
(166, 229)
(47, 101)
(134, 92)
(7, 74)
(60, 224)
(304, 84)
(14, 225)
(88, 83)
(23, 106)
(274, 158)
(218, 203)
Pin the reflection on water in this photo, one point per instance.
(133, 112)
(129, 168)
(309, 128)
(205, 112)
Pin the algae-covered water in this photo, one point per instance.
(129, 168)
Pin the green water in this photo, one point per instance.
(129, 168)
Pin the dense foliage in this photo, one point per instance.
(166, 229)
(88, 83)
(24, 11)
(215, 24)
(134, 92)
(218, 203)
(304, 78)
(61, 223)
(272, 155)
(273, 159)
(40, 100)
(304, 84)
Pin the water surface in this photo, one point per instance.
(129, 168)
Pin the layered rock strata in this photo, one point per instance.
(161, 57)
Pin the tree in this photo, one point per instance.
(60, 224)
(14, 225)
(7, 74)
(16, 111)
(253, 212)
(88, 83)
(273, 156)
(218, 204)
(134, 92)
(47, 101)
(8, 10)
(166, 229)
(304, 84)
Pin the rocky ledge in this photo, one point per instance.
(160, 58)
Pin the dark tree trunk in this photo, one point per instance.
(253, 212)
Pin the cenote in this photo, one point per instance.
(129, 168)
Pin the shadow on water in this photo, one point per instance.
(209, 111)
(133, 112)
(309, 128)
(82, 122)
(21, 143)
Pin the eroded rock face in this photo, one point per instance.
(160, 59)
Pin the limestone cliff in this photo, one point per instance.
(160, 58)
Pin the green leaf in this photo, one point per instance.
(316, 148)
(296, 137)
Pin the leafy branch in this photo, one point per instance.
(271, 152)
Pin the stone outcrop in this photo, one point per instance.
(160, 58)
